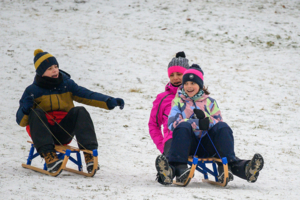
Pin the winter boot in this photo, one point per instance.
(89, 160)
(221, 174)
(182, 172)
(165, 171)
(253, 167)
(52, 161)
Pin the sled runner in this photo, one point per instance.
(64, 152)
(199, 164)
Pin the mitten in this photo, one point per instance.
(199, 113)
(27, 104)
(113, 102)
(203, 121)
(121, 103)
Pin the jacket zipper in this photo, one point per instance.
(58, 102)
(159, 108)
(50, 102)
(192, 116)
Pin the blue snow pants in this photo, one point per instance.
(185, 143)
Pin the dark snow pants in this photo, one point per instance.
(185, 143)
(167, 146)
(77, 123)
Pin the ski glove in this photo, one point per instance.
(113, 102)
(199, 113)
(203, 121)
(27, 104)
(204, 124)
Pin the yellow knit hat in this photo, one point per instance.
(42, 61)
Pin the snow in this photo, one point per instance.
(249, 51)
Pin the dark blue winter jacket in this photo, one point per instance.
(60, 98)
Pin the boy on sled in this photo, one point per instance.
(47, 109)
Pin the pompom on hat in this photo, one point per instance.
(42, 61)
(178, 64)
(194, 74)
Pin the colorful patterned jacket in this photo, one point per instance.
(182, 111)
(60, 98)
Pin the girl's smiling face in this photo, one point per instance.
(176, 78)
(191, 88)
(52, 72)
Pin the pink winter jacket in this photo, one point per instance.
(159, 116)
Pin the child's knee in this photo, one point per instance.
(221, 126)
(184, 125)
(184, 128)
(35, 112)
(78, 109)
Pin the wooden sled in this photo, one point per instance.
(199, 164)
(64, 153)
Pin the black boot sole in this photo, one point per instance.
(164, 170)
(256, 164)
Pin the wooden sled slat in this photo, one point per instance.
(191, 175)
(66, 150)
(225, 181)
(45, 171)
(195, 162)
(95, 168)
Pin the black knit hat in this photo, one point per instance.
(42, 61)
(194, 74)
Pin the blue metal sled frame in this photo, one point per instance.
(64, 153)
(199, 164)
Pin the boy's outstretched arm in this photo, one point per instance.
(88, 97)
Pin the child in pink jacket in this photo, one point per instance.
(162, 104)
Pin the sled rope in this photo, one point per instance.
(47, 127)
(55, 123)
(203, 147)
(214, 146)
(198, 145)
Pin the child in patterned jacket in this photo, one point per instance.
(195, 114)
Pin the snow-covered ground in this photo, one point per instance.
(250, 54)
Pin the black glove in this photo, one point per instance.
(27, 104)
(204, 124)
(121, 103)
(113, 102)
(199, 113)
(203, 121)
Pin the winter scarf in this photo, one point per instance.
(194, 98)
(47, 82)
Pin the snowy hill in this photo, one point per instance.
(249, 51)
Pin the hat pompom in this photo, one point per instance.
(37, 51)
(195, 66)
(180, 54)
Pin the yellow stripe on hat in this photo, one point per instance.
(41, 59)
